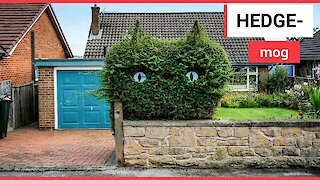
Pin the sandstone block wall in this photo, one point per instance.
(222, 144)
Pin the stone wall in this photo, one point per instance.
(222, 144)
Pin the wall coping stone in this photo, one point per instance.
(222, 123)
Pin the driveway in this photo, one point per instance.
(32, 147)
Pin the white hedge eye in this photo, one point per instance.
(139, 77)
(192, 76)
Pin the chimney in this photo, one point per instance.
(95, 24)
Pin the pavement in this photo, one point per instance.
(111, 171)
(32, 147)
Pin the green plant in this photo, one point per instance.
(231, 100)
(167, 92)
(315, 101)
(264, 100)
(246, 100)
(260, 100)
(278, 82)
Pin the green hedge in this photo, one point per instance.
(259, 100)
(167, 93)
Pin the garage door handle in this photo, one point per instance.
(91, 108)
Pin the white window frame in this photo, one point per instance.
(256, 73)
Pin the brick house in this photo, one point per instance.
(64, 82)
(27, 31)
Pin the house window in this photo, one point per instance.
(244, 78)
(289, 68)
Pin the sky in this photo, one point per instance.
(75, 19)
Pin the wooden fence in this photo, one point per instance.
(24, 107)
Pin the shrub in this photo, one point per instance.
(248, 101)
(278, 82)
(231, 100)
(167, 92)
(259, 100)
(315, 101)
(264, 100)
(245, 100)
(299, 96)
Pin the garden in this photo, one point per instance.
(280, 98)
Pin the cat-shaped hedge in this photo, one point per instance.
(166, 79)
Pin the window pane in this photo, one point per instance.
(239, 78)
(239, 71)
(252, 69)
(252, 82)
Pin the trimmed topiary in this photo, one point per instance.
(166, 79)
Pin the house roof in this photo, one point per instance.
(2, 51)
(167, 26)
(17, 19)
(310, 48)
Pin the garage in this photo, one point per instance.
(66, 97)
(77, 106)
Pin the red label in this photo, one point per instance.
(274, 52)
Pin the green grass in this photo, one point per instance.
(254, 113)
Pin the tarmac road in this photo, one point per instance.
(163, 172)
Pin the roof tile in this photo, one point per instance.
(167, 26)
(310, 48)
(15, 20)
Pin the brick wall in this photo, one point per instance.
(263, 76)
(222, 144)
(263, 73)
(46, 97)
(18, 67)
(48, 44)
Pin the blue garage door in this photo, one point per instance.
(77, 108)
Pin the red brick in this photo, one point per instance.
(46, 98)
